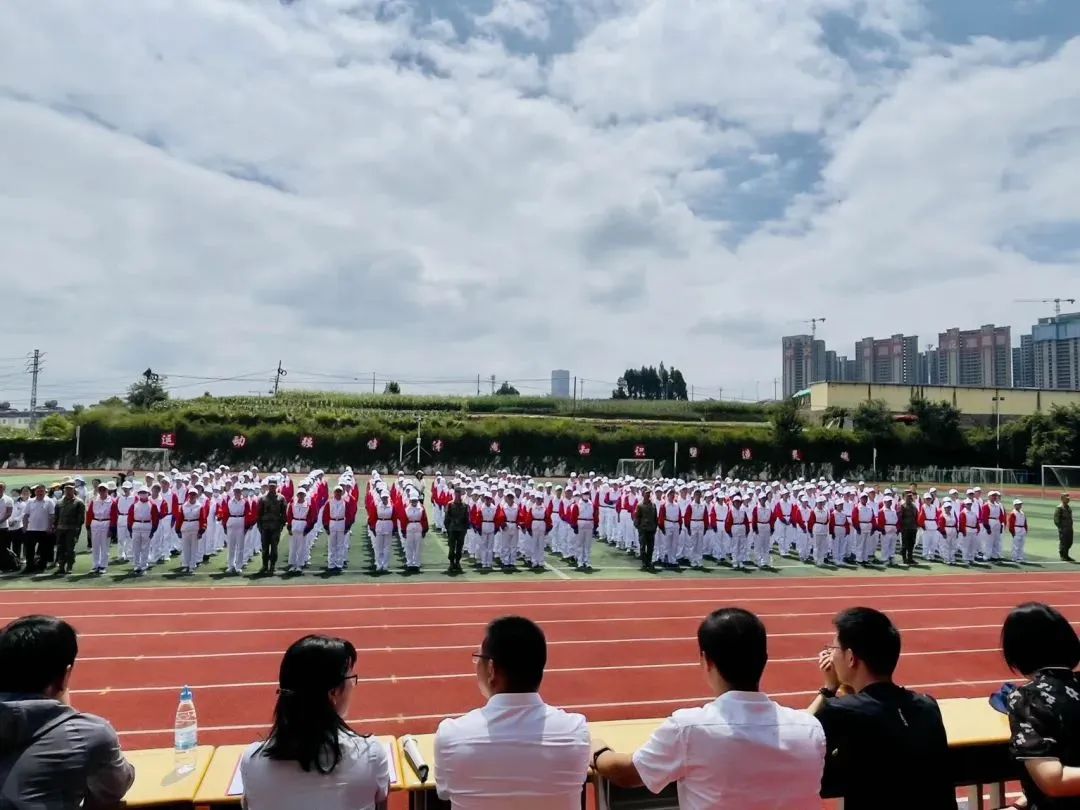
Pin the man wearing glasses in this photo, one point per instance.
(515, 752)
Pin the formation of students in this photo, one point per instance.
(512, 519)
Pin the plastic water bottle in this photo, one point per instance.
(186, 734)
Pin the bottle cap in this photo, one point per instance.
(185, 693)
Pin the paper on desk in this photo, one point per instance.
(236, 786)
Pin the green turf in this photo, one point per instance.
(607, 563)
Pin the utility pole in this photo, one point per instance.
(373, 382)
(33, 368)
(478, 385)
(775, 382)
(583, 389)
(691, 393)
(492, 384)
(277, 379)
(997, 400)
(574, 406)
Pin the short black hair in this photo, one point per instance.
(518, 649)
(871, 636)
(1035, 636)
(734, 640)
(35, 654)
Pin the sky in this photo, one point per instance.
(431, 190)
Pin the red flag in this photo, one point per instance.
(584, 449)
(168, 440)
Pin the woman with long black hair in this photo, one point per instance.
(311, 758)
(1044, 714)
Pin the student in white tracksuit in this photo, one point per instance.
(928, 522)
(506, 542)
(142, 521)
(336, 521)
(889, 525)
(670, 519)
(100, 519)
(299, 519)
(993, 520)
(584, 516)
(413, 524)
(817, 524)
(948, 527)
(1018, 528)
(191, 520)
(970, 526)
(537, 523)
(382, 533)
(696, 520)
(124, 503)
(761, 520)
(863, 519)
(487, 518)
(737, 525)
(234, 516)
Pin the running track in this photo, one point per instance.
(617, 649)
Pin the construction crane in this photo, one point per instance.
(813, 325)
(1055, 301)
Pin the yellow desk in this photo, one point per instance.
(625, 736)
(214, 790)
(157, 783)
(973, 721)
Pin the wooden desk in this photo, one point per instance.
(973, 721)
(156, 781)
(978, 749)
(214, 790)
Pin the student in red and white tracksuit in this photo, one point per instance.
(583, 519)
(784, 532)
(506, 541)
(888, 525)
(819, 527)
(488, 519)
(696, 520)
(124, 502)
(236, 517)
(536, 523)
(928, 522)
(335, 519)
(761, 523)
(101, 515)
(970, 526)
(840, 528)
(948, 524)
(669, 522)
(191, 519)
(142, 521)
(381, 526)
(413, 525)
(737, 525)
(864, 522)
(993, 520)
(299, 520)
(1018, 528)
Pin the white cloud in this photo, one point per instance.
(208, 186)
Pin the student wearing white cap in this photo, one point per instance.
(696, 519)
(1018, 528)
(413, 524)
(487, 520)
(236, 519)
(506, 541)
(669, 521)
(583, 518)
(101, 517)
(993, 521)
(970, 526)
(142, 522)
(191, 520)
(737, 525)
(888, 524)
(299, 520)
(949, 530)
(819, 526)
(124, 502)
(336, 521)
(928, 522)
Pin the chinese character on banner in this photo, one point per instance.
(437, 445)
(168, 440)
(584, 449)
(693, 452)
(496, 447)
(239, 441)
(796, 455)
(372, 444)
(747, 454)
(845, 455)
(639, 451)
(307, 442)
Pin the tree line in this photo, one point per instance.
(650, 382)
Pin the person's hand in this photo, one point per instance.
(828, 672)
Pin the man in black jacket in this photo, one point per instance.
(871, 723)
(456, 523)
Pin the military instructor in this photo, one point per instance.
(456, 523)
(272, 509)
(646, 522)
(1063, 520)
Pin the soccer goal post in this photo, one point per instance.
(144, 459)
(1062, 476)
(998, 476)
(641, 468)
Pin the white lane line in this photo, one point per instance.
(558, 573)
(478, 624)
(579, 707)
(372, 591)
(109, 690)
(337, 610)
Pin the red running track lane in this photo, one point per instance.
(617, 650)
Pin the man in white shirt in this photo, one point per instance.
(39, 525)
(742, 750)
(515, 752)
(7, 508)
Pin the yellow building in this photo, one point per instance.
(973, 402)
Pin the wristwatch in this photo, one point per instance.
(598, 754)
(826, 692)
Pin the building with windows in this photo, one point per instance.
(804, 362)
(975, 357)
(891, 360)
(560, 383)
(1054, 352)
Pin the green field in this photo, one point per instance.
(607, 562)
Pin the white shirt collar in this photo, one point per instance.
(515, 699)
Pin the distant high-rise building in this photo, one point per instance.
(804, 362)
(891, 360)
(1055, 352)
(975, 357)
(560, 383)
(1024, 363)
